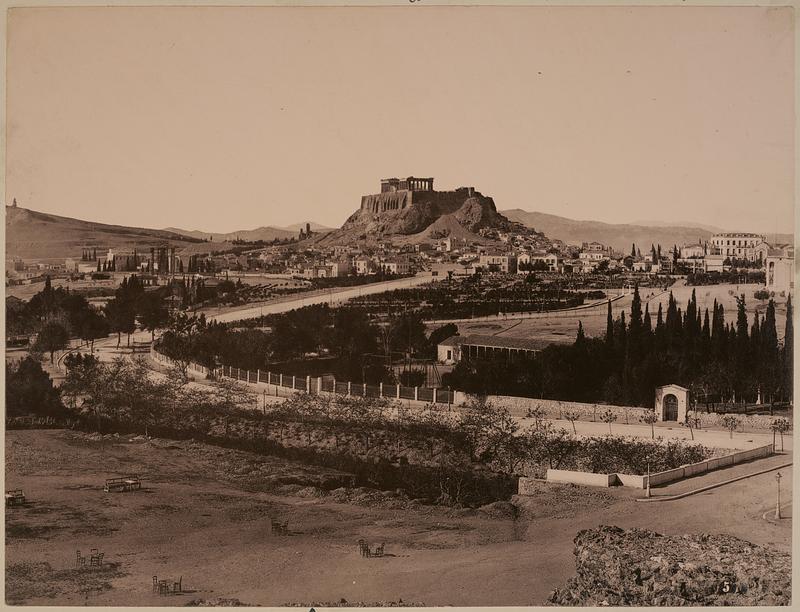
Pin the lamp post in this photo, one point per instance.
(778, 502)
(647, 494)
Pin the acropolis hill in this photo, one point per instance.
(412, 207)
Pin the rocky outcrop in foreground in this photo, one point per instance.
(637, 567)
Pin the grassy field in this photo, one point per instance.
(204, 515)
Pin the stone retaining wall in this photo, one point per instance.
(640, 482)
(748, 421)
(555, 409)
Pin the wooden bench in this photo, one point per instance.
(15, 497)
(124, 483)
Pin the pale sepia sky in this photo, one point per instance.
(230, 118)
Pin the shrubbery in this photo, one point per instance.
(29, 391)
(466, 457)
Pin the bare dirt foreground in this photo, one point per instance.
(204, 515)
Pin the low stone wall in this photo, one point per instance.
(581, 478)
(555, 409)
(640, 482)
(747, 421)
(709, 465)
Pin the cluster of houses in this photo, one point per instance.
(512, 253)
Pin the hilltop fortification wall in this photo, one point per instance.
(381, 202)
(446, 201)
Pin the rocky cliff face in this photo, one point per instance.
(638, 567)
(405, 213)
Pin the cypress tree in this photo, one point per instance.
(580, 338)
(788, 354)
(636, 313)
(756, 339)
(609, 325)
(621, 336)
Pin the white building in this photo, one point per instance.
(395, 266)
(692, 251)
(714, 263)
(594, 247)
(503, 263)
(779, 266)
(593, 256)
(363, 265)
(738, 245)
(477, 346)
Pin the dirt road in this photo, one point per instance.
(332, 296)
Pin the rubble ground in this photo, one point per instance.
(639, 567)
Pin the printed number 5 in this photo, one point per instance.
(726, 586)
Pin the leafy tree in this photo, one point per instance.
(29, 390)
(353, 334)
(551, 446)
(93, 326)
(153, 312)
(538, 415)
(489, 431)
(731, 422)
(439, 334)
(780, 426)
(231, 395)
(409, 336)
(650, 417)
(121, 317)
(52, 337)
(571, 416)
(608, 417)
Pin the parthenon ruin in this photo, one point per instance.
(408, 184)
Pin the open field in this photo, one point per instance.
(204, 515)
(26, 292)
(562, 327)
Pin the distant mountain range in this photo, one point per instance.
(35, 235)
(711, 228)
(620, 236)
(265, 233)
(315, 227)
